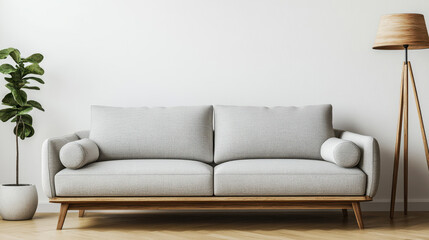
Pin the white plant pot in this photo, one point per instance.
(18, 202)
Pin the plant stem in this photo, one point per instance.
(17, 151)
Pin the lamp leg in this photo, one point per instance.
(406, 140)
(397, 145)
(419, 111)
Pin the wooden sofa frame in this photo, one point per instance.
(206, 203)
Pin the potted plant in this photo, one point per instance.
(19, 201)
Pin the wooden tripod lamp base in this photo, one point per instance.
(398, 32)
(403, 116)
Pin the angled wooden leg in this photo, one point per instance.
(358, 214)
(419, 111)
(406, 141)
(63, 213)
(397, 146)
(345, 214)
(81, 213)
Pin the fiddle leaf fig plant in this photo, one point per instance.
(19, 78)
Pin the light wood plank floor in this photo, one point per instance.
(219, 225)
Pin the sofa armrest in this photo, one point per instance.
(370, 158)
(51, 163)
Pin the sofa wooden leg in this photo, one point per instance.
(358, 214)
(345, 213)
(81, 213)
(63, 213)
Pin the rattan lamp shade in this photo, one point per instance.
(397, 30)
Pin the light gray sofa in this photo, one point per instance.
(202, 157)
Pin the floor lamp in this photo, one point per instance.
(403, 32)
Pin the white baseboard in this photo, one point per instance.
(45, 207)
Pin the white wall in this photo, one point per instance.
(193, 52)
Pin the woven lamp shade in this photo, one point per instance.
(397, 30)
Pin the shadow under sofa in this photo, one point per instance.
(202, 157)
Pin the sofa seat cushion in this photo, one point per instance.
(149, 177)
(284, 177)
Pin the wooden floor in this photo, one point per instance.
(219, 225)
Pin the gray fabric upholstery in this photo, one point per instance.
(79, 153)
(369, 164)
(341, 152)
(278, 132)
(155, 177)
(283, 177)
(370, 159)
(163, 133)
(83, 134)
(51, 161)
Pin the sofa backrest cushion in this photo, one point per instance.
(277, 132)
(159, 132)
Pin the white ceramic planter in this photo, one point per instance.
(18, 202)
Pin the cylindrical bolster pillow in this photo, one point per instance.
(341, 152)
(79, 153)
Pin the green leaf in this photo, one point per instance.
(31, 131)
(19, 132)
(20, 85)
(7, 68)
(27, 119)
(31, 87)
(15, 77)
(9, 100)
(19, 96)
(35, 79)
(35, 58)
(24, 130)
(7, 113)
(8, 79)
(24, 110)
(36, 105)
(35, 69)
(16, 55)
(10, 86)
(5, 52)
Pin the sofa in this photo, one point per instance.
(205, 157)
